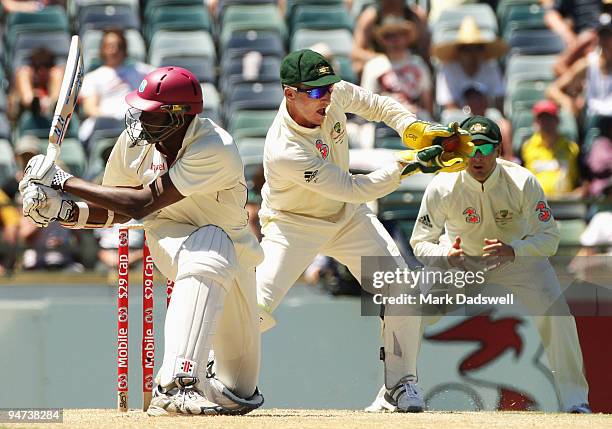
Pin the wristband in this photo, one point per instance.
(83, 215)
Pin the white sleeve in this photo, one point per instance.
(117, 172)
(329, 180)
(425, 239)
(543, 237)
(443, 94)
(373, 107)
(205, 171)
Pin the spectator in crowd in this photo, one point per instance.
(51, 248)
(599, 160)
(104, 89)
(471, 57)
(9, 232)
(364, 42)
(476, 102)
(26, 147)
(588, 83)
(37, 85)
(396, 72)
(575, 22)
(551, 157)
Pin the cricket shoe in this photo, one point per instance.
(181, 398)
(380, 404)
(406, 396)
(580, 409)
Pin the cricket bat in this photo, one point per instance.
(66, 101)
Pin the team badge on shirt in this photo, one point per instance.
(503, 216)
(544, 213)
(471, 216)
(338, 133)
(322, 148)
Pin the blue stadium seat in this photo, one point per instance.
(49, 19)
(202, 67)
(253, 96)
(178, 18)
(250, 123)
(102, 17)
(179, 43)
(339, 41)
(57, 42)
(241, 42)
(534, 42)
(523, 17)
(522, 68)
(315, 17)
(232, 71)
(451, 18)
(257, 17)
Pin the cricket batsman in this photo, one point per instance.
(496, 210)
(312, 204)
(183, 177)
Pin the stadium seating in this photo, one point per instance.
(178, 18)
(245, 18)
(315, 17)
(240, 69)
(534, 42)
(253, 96)
(57, 42)
(194, 50)
(52, 18)
(241, 42)
(102, 17)
(340, 41)
(250, 123)
(451, 18)
(523, 17)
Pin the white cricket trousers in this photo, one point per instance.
(290, 243)
(236, 339)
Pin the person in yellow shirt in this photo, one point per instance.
(550, 156)
(9, 226)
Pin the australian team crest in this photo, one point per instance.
(322, 148)
(338, 133)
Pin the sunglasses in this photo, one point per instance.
(315, 93)
(484, 149)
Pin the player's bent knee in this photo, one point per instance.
(208, 252)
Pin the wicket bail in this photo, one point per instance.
(148, 337)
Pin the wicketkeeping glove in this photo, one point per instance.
(420, 161)
(421, 134)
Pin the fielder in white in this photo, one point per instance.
(312, 203)
(496, 210)
(183, 177)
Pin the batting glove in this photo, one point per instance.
(44, 205)
(38, 170)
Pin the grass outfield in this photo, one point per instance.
(319, 419)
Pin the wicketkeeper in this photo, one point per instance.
(312, 204)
